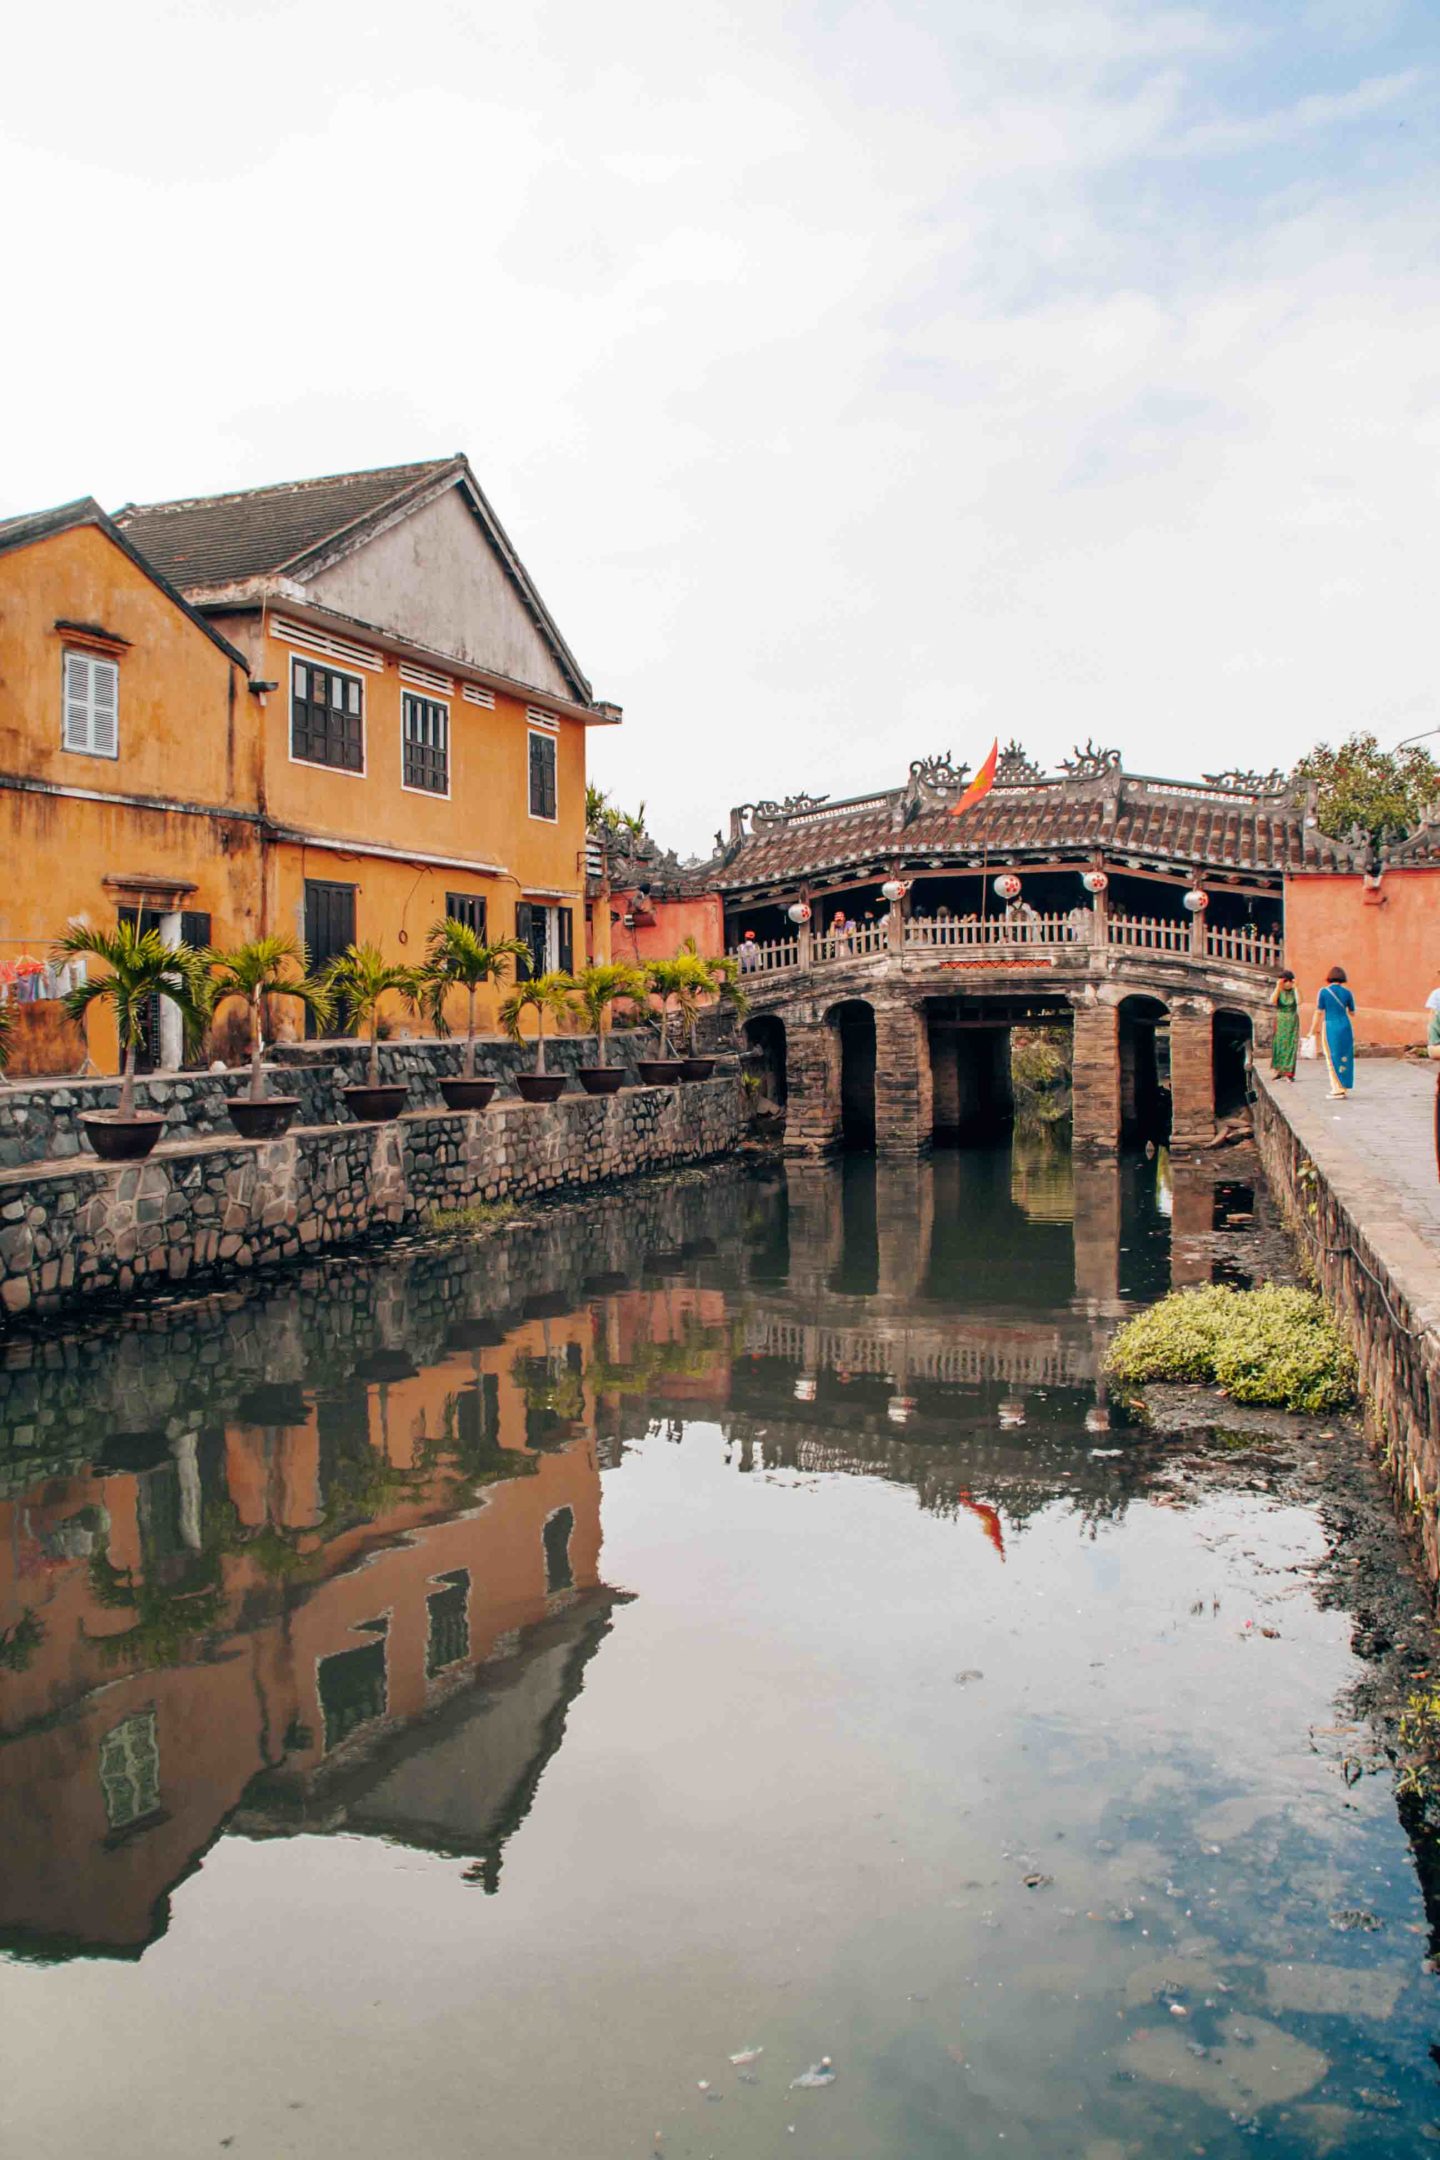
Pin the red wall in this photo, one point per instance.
(1387, 942)
(673, 921)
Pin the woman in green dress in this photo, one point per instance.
(1286, 1047)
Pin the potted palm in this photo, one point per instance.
(597, 988)
(361, 978)
(458, 958)
(142, 967)
(674, 983)
(723, 978)
(542, 995)
(275, 966)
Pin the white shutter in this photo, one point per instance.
(90, 718)
(76, 733)
(104, 708)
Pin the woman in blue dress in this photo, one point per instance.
(1333, 1013)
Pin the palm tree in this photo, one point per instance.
(540, 994)
(142, 967)
(679, 982)
(276, 966)
(458, 958)
(598, 988)
(360, 977)
(724, 981)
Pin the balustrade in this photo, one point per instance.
(1242, 946)
(931, 931)
(1142, 933)
(1246, 947)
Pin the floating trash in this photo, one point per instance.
(821, 2073)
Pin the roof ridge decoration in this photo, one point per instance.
(1015, 766)
(1237, 782)
(1092, 762)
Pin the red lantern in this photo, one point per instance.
(894, 889)
(1197, 900)
(1007, 885)
(1094, 881)
(799, 912)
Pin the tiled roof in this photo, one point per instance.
(210, 540)
(1191, 825)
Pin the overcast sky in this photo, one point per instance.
(857, 381)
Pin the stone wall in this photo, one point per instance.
(40, 1119)
(1383, 1285)
(209, 1208)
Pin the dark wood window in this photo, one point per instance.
(427, 744)
(327, 716)
(530, 928)
(448, 1614)
(467, 908)
(542, 776)
(329, 928)
(565, 924)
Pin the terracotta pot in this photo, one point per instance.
(372, 1105)
(659, 1072)
(539, 1087)
(696, 1068)
(263, 1120)
(467, 1094)
(601, 1079)
(122, 1139)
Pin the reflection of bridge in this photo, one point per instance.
(965, 1354)
(892, 947)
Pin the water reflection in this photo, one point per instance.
(327, 1558)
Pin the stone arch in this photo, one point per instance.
(853, 1025)
(1144, 1050)
(1232, 1037)
(765, 1041)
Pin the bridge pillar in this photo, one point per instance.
(1192, 1073)
(1096, 1074)
(945, 1081)
(812, 1088)
(905, 1221)
(904, 1090)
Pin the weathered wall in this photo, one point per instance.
(215, 1207)
(669, 924)
(1383, 1285)
(40, 1120)
(1387, 942)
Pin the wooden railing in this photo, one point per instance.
(1239, 947)
(1140, 933)
(930, 931)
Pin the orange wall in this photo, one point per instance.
(674, 920)
(1388, 945)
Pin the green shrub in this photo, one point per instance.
(1273, 1345)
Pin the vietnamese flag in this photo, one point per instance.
(981, 785)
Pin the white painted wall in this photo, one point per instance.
(435, 578)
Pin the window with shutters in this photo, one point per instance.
(130, 1770)
(90, 705)
(467, 908)
(542, 777)
(427, 744)
(327, 717)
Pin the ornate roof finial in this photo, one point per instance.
(1015, 767)
(1090, 762)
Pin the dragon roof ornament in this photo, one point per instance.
(1274, 782)
(1091, 762)
(1015, 767)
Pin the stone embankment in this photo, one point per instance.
(1358, 1185)
(205, 1209)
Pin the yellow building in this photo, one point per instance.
(336, 707)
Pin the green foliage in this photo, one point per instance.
(1038, 1064)
(541, 994)
(275, 966)
(167, 1620)
(141, 967)
(359, 979)
(599, 987)
(1273, 1345)
(18, 1644)
(604, 817)
(458, 958)
(1381, 791)
(481, 1215)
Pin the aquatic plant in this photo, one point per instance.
(1272, 1345)
(479, 1215)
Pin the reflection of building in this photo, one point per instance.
(293, 1595)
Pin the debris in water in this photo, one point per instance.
(1038, 1881)
(745, 2056)
(1351, 1921)
(963, 1679)
(821, 2073)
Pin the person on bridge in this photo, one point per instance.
(1334, 1008)
(1286, 1046)
(749, 954)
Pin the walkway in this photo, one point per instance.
(1380, 1144)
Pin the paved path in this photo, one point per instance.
(1383, 1137)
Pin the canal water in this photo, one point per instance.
(708, 1673)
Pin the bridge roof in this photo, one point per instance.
(1241, 823)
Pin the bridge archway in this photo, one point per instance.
(1144, 1044)
(765, 1038)
(1231, 1039)
(854, 1025)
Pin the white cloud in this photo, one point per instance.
(856, 381)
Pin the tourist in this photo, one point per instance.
(840, 932)
(1432, 1032)
(1334, 1007)
(749, 954)
(1286, 1046)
